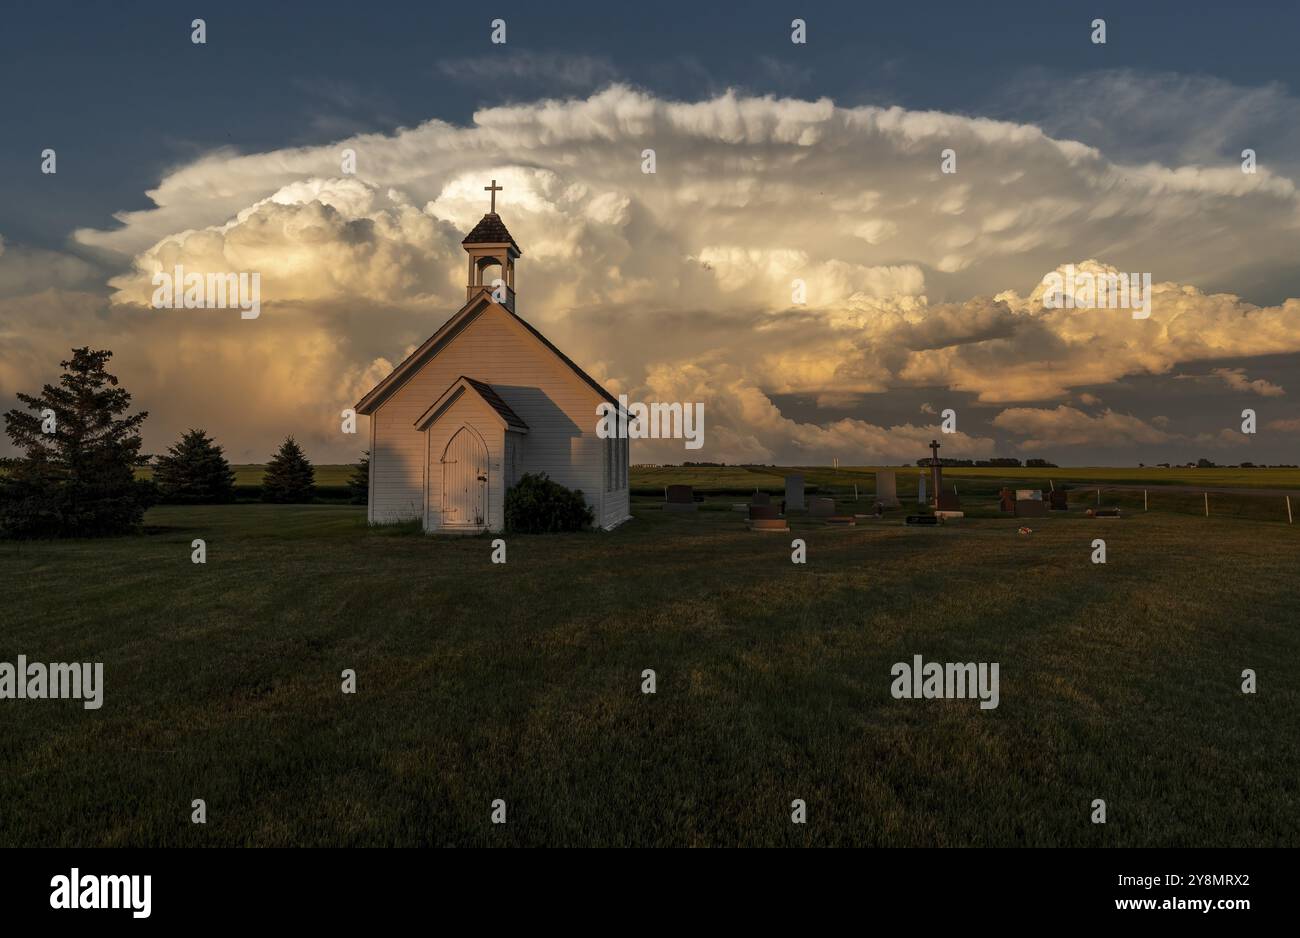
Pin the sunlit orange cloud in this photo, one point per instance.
(678, 282)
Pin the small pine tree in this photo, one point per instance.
(194, 472)
(359, 481)
(289, 476)
(77, 477)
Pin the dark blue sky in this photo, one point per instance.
(123, 96)
(120, 92)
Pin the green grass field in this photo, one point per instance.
(479, 681)
(985, 481)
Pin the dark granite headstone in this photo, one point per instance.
(1031, 508)
(680, 498)
(794, 492)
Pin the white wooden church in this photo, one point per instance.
(486, 399)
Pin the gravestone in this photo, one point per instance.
(821, 507)
(887, 489)
(936, 469)
(947, 502)
(680, 498)
(794, 493)
(1030, 504)
(920, 489)
(761, 498)
(922, 520)
(762, 512)
(1057, 501)
(1006, 500)
(769, 524)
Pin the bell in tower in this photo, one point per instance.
(492, 255)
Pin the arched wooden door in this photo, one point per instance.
(464, 480)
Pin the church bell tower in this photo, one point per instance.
(492, 255)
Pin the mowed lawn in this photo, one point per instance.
(523, 682)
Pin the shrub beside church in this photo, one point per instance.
(537, 505)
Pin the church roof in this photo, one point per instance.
(490, 230)
(489, 394)
(439, 340)
(484, 390)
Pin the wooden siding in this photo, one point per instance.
(558, 406)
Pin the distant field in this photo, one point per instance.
(741, 479)
(732, 479)
(988, 481)
(479, 681)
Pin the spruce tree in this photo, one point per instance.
(194, 472)
(77, 477)
(359, 481)
(289, 476)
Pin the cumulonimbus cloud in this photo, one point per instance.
(911, 278)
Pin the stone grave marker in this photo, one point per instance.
(794, 493)
(887, 488)
(680, 498)
(1030, 504)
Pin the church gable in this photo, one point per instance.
(494, 347)
(450, 333)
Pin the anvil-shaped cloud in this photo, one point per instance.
(680, 284)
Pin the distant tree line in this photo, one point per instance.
(78, 476)
(995, 462)
(1204, 463)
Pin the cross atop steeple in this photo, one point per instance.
(494, 189)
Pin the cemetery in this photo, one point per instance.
(876, 500)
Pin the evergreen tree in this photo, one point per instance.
(195, 472)
(359, 481)
(77, 477)
(289, 476)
